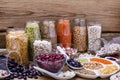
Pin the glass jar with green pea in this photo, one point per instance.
(33, 31)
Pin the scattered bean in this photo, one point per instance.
(109, 49)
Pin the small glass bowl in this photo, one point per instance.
(51, 64)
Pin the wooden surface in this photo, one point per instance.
(76, 78)
(2, 40)
(17, 12)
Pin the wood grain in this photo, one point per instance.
(2, 40)
(17, 12)
(109, 36)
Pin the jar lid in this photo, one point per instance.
(45, 23)
(16, 30)
(32, 24)
(82, 22)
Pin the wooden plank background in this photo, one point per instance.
(17, 12)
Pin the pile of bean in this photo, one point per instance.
(42, 46)
(94, 32)
(74, 63)
(109, 49)
(92, 65)
(21, 72)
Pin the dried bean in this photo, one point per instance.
(80, 38)
(94, 33)
(42, 46)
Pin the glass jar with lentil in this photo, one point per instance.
(64, 32)
(80, 34)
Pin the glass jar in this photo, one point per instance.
(94, 33)
(4, 70)
(41, 46)
(48, 31)
(64, 32)
(80, 34)
(33, 31)
(17, 41)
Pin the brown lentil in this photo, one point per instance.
(92, 65)
(80, 37)
(84, 71)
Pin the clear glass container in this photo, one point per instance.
(33, 32)
(80, 34)
(48, 31)
(94, 34)
(64, 32)
(4, 71)
(17, 42)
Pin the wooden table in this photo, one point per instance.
(75, 78)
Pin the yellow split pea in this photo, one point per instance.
(109, 69)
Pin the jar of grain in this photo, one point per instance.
(80, 34)
(17, 43)
(48, 31)
(64, 32)
(94, 33)
(33, 31)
